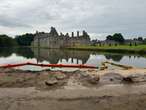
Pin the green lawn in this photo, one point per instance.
(119, 48)
(114, 47)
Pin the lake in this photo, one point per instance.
(57, 56)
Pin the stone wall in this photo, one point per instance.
(53, 40)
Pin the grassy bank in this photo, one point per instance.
(141, 49)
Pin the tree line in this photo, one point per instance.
(19, 40)
(6, 41)
(118, 38)
(26, 39)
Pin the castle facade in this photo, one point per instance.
(54, 40)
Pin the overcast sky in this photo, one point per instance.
(97, 17)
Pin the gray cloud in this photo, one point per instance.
(12, 23)
(98, 17)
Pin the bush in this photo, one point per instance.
(25, 40)
(6, 41)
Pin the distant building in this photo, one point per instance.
(54, 40)
(108, 42)
(130, 41)
(112, 42)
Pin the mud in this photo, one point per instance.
(106, 89)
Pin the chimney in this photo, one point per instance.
(36, 31)
(72, 34)
(78, 33)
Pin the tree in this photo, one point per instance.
(135, 39)
(110, 44)
(6, 41)
(130, 44)
(100, 44)
(140, 38)
(25, 39)
(118, 37)
(109, 37)
(94, 42)
(144, 41)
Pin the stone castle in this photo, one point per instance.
(54, 40)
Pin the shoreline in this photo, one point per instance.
(88, 89)
(117, 50)
(110, 50)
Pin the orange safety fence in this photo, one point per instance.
(49, 65)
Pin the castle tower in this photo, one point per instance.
(83, 32)
(72, 34)
(37, 32)
(61, 34)
(67, 35)
(53, 32)
(78, 33)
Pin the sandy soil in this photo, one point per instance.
(114, 89)
(110, 97)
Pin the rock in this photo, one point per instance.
(128, 79)
(93, 79)
(60, 76)
(84, 74)
(90, 70)
(51, 82)
(111, 78)
(135, 78)
(103, 67)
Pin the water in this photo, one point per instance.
(56, 56)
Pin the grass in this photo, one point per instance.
(141, 49)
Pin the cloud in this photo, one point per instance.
(12, 23)
(98, 17)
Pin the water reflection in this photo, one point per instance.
(5, 52)
(114, 57)
(55, 56)
(25, 52)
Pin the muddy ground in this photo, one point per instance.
(114, 89)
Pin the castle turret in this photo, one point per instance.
(78, 33)
(85, 34)
(38, 38)
(53, 32)
(72, 34)
(67, 35)
(61, 34)
(36, 35)
(37, 32)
